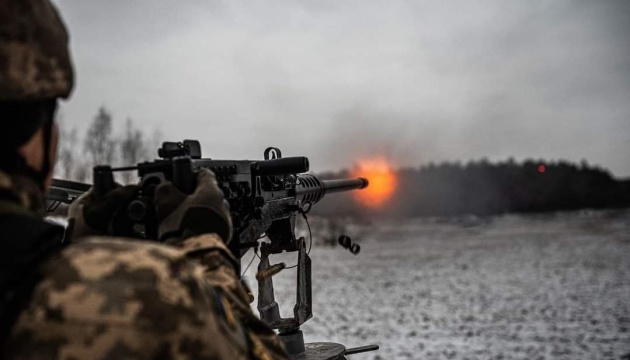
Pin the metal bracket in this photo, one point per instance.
(267, 305)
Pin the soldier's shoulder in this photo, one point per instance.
(121, 280)
(141, 263)
(120, 274)
(110, 252)
(129, 295)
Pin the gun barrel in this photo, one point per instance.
(344, 184)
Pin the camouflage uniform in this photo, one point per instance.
(102, 297)
(114, 298)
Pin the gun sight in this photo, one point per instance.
(170, 149)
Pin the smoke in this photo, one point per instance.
(363, 133)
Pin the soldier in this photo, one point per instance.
(99, 297)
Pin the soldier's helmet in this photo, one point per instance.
(35, 61)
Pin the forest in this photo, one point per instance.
(103, 144)
(484, 188)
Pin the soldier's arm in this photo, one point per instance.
(198, 223)
(219, 265)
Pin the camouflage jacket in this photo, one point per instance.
(116, 298)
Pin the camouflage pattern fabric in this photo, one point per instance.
(21, 195)
(34, 56)
(114, 298)
(106, 298)
(213, 254)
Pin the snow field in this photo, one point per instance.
(553, 286)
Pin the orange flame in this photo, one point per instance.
(382, 182)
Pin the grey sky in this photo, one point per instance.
(417, 81)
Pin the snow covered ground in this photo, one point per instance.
(554, 286)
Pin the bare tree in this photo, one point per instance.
(66, 165)
(65, 153)
(99, 143)
(82, 171)
(70, 164)
(132, 148)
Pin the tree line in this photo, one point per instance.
(102, 144)
(445, 189)
(485, 188)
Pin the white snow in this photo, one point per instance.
(553, 286)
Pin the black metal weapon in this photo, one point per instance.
(265, 198)
(64, 192)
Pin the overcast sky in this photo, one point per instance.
(338, 81)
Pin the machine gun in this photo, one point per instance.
(265, 198)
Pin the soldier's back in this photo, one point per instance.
(122, 299)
